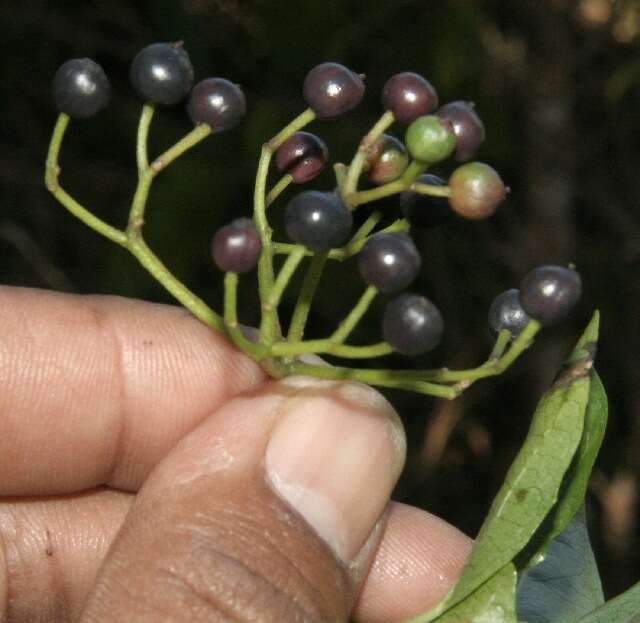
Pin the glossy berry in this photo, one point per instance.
(236, 247)
(162, 73)
(331, 90)
(302, 156)
(476, 190)
(468, 128)
(506, 313)
(548, 293)
(81, 88)
(387, 160)
(425, 210)
(409, 96)
(218, 103)
(318, 220)
(390, 262)
(412, 324)
(430, 139)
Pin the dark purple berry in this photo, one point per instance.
(430, 139)
(409, 96)
(218, 103)
(425, 210)
(318, 220)
(390, 262)
(162, 73)
(467, 126)
(548, 293)
(302, 156)
(387, 159)
(476, 190)
(412, 324)
(331, 90)
(81, 88)
(506, 313)
(236, 247)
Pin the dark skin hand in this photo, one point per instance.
(151, 472)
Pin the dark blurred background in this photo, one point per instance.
(557, 84)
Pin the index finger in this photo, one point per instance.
(96, 390)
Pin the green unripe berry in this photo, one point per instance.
(430, 139)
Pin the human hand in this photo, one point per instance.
(149, 471)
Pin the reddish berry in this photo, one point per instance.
(218, 103)
(331, 90)
(387, 160)
(302, 156)
(409, 96)
(236, 247)
(468, 128)
(476, 190)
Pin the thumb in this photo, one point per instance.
(269, 511)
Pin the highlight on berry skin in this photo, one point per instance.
(162, 73)
(387, 159)
(81, 88)
(236, 247)
(318, 220)
(331, 90)
(408, 96)
(549, 293)
(412, 324)
(303, 156)
(218, 103)
(506, 313)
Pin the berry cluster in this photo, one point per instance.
(319, 223)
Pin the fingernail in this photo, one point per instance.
(335, 455)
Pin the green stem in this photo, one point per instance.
(142, 157)
(199, 133)
(373, 377)
(354, 317)
(340, 171)
(414, 169)
(275, 192)
(355, 168)
(328, 347)
(305, 298)
(504, 337)
(255, 350)
(52, 182)
(161, 273)
(269, 324)
(367, 227)
(430, 189)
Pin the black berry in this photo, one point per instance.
(425, 210)
(81, 88)
(390, 262)
(476, 190)
(318, 220)
(409, 96)
(218, 103)
(387, 159)
(236, 247)
(430, 139)
(331, 90)
(302, 156)
(412, 324)
(162, 73)
(548, 293)
(468, 128)
(506, 313)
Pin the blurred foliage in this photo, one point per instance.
(557, 83)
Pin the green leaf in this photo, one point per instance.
(576, 479)
(532, 484)
(493, 602)
(624, 608)
(566, 585)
